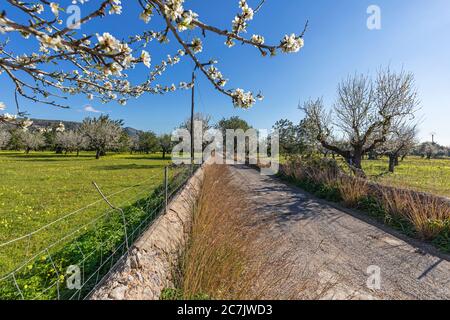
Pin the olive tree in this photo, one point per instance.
(400, 141)
(97, 64)
(427, 150)
(290, 135)
(102, 133)
(165, 144)
(364, 113)
(125, 142)
(148, 142)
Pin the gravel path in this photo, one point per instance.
(338, 249)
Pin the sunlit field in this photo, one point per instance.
(431, 176)
(41, 187)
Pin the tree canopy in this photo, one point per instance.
(98, 64)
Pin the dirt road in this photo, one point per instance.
(339, 249)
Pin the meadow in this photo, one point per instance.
(41, 187)
(431, 176)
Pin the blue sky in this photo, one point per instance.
(414, 36)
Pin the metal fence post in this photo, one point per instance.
(166, 185)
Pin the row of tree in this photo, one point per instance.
(100, 134)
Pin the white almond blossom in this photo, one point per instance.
(242, 99)
(98, 65)
(39, 8)
(55, 8)
(146, 59)
(197, 45)
(258, 39)
(54, 43)
(292, 43)
(174, 9)
(108, 43)
(147, 14)
(230, 43)
(116, 7)
(186, 20)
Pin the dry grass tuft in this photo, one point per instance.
(352, 190)
(228, 258)
(427, 213)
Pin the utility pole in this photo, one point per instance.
(193, 108)
(432, 137)
(192, 118)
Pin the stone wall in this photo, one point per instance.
(150, 265)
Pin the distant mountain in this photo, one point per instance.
(72, 125)
(42, 123)
(132, 132)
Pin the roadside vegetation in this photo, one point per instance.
(419, 215)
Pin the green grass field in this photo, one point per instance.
(432, 176)
(41, 187)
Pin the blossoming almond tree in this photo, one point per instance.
(365, 114)
(100, 62)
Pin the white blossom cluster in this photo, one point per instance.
(12, 118)
(245, 100)
(292, 43)
(197, 45)
(240, 21)
(217, 76)
(101, 62)
(242, 99)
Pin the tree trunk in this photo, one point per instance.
(357, 160)
(27, 150)
(164, 154)
(396, 161)
(392, 163)
(78, 153)
(97, 155)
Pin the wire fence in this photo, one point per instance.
(42, 266)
